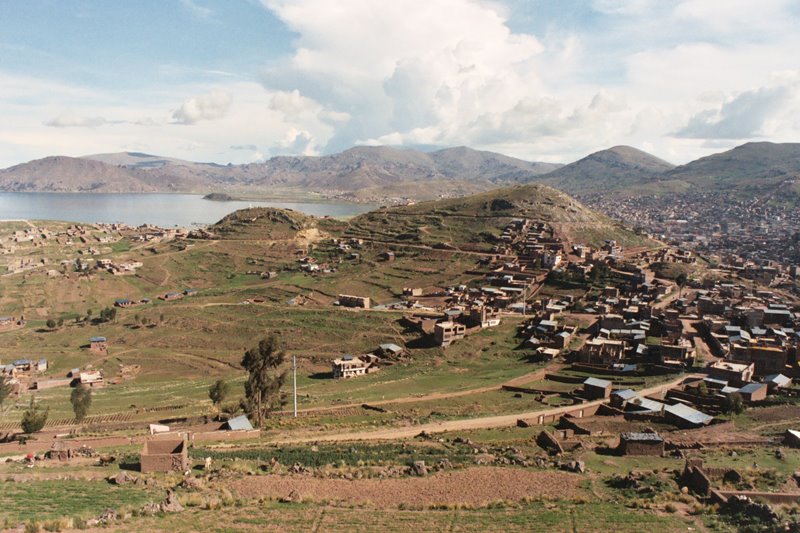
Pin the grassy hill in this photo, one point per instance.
(475, 222)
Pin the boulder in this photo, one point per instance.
(419, 469)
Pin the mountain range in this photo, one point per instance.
(763, 170)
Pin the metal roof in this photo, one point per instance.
(752, 387)
(595, 382)
(240, 423)
(97, 339)
(625, 394)
(778, 379)
(685, 412)
(391, 347)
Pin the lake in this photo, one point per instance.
(165, 210)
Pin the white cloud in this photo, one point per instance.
(742, 117)
(69, 120)
(196, 9)
(211, 106)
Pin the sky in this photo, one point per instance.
(241, 81)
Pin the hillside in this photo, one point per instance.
(69, 174)
(262, 223)
(766, 170)
(475, 222)
(614, 168)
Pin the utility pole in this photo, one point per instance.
(294, 369)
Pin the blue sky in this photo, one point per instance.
(243, 80)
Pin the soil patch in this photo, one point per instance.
(473, 486)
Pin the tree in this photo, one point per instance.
(51, 324)
(218, 392)
(60, 321)
(681, 281)
(733, 403)
(34, 417)
(108, 314)
(81, 400)
(266, 375)
(5, 389)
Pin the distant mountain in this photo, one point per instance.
(614, 168)
(760, 169)
(361, 173)
(70, 174)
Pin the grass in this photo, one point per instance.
(547, 517)
(46, 500)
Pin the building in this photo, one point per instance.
(686, 417)
(777, 382)
(737, 373)
(98, 345)
(445, 333)
(767, 359)
(123, 302)
(92, 379)
(239, 423)
(349, 366)
(347, 300)
(596, 389)
(171, 296)
(641, 444)
(754, 392)
(164, 455)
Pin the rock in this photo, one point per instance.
(292, 497)
(779, 454)
(171, 504)
(109, 515)
(419, 469)
(744, 505)
(123, 478)
(579, 466)
(444, 464)
(191, 483)
(297, 468)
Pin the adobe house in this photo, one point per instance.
(164, 455)
(98, 345)
(641, 444)
(596, 389)
(754, 392)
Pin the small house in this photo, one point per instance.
(686, 417)
(596, 389)
(164, 455)
(92, 379)
(349, 366)
(777, 382)
(98, 345)
(123, 302)
(641, 444)
(445, 333)
(754, 392)
(736, 373)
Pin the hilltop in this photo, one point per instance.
(70, 174)
(262, 223)
(475, 222)
(614, 168)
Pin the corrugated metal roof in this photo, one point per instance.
(689, 414)
(752, 387)
(240, 423)
(596, 382)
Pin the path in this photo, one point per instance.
(487, 422)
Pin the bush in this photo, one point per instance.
(34, 418)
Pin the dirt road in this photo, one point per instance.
(487, 422)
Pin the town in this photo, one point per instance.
(579, 352)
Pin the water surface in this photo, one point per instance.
(165, 210)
